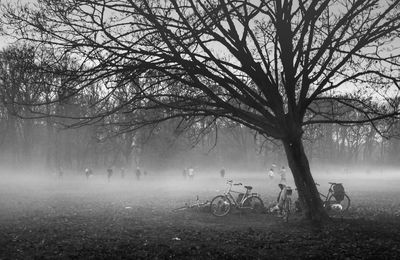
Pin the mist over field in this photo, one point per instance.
(72, 216)
(23, 191)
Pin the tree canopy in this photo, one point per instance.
(251, 61)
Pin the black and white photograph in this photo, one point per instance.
(199, 129)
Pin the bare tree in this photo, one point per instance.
(262, 64)
(18, 84)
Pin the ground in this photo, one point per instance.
(49, 218)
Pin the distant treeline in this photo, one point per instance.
(29, 136)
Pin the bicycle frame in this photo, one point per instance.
(196, 204)
(329, 200)
(229, 191)
(288, 194)
(223, 203)
(330, 192)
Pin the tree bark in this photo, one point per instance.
(308, 193)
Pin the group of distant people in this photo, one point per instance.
(281, 173)
(110, 172)
(188, 173)
(138, 173)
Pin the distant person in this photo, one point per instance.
(60, 172)
(282, 174)
(185, 173)
(109, 173)
(138, 173)
(271, 173)
(88, 173)
(222, 173)
(191, 173)
(122, 172)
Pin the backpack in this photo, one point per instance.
(338, 192)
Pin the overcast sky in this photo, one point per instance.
(3, 42)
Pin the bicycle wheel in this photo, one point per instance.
(286, 209)
(220, 206)
(255, 203)
(334, 206)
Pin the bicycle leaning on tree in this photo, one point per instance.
(222, 204)
(336, 200)
(283, 205)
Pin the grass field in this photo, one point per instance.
(48, 218)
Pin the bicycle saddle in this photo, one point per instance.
(248, 187)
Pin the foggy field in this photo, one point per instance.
(256, 91)
(73, 217)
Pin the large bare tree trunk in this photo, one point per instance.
(308, 193)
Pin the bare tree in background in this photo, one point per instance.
(18, 84)
(268, 65)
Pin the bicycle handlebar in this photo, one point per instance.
(236, 184)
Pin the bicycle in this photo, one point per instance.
(221, 205)
(336, 200)
(196, 205)
(286, 207)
